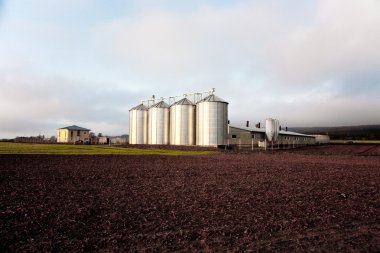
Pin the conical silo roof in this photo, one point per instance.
(160, 104)
(140, 107)
(183, 101)
(212, 98)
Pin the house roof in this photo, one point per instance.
(75, 128)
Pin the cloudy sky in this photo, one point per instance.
(87, 62)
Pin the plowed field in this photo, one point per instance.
(354, 150)
(282, 201)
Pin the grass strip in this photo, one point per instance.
(63, 149)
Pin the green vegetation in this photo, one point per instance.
(59, 149)
(355, 141)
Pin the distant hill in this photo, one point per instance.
(366, 132)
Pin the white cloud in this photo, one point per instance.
(305, 64)
(257, 56)
(32, 104)
(202, 46)
(342, 40)
(249, 38)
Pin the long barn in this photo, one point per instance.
(256, 137)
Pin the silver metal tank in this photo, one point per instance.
(211, 121)
(138, 125)
(277, 129)
(272, 129)
(182, 123)
(158, 123)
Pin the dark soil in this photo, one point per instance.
(342, 149)
(172, 147)
(282, 201)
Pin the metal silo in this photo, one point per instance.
(272, 129)
(269, 129)
(158, 123)
(182, 123)
(138, 125)
(277, 129)
(211, 121)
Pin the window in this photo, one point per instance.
(71, 133)
(78, 133)
(234, 136)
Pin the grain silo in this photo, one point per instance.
(272, 128)
(158, 123)
(138, 125)
(182, 123)
(211, 121)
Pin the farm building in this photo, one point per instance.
(117, 140)
(202, 121)
(257, 137)
(73, 134)
(321, 139)
(102, 140)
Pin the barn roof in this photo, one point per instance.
(262, 130)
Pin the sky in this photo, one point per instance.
(87, 62)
